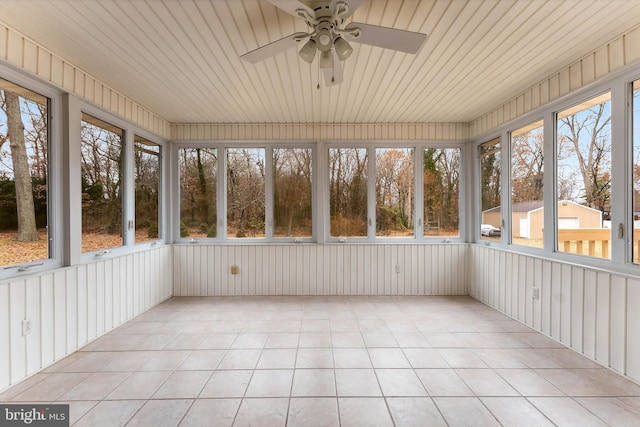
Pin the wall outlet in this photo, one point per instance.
(26, 327)
(235, 269)
(398, 268)
(536, 293)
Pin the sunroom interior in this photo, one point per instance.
(440, 238)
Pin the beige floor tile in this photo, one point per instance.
(343, 321)
(313, 412)
(78, 408)
(515, 412)
(202, 360)
(110, 413)
(424, 358)
(374, 339)
(486, 382)
(277, 358)
(282, 340)
(461, 358)
(443, 340)
(347, 340)
(388, 358)
(95, 387)
(318, 358)
(465, 411)
(313, 383)
(250, 340)
(217, 341)
(351, 358)
(631, 401)
(611, 410)
(375, 326)
(22, 386)
(314, 339)
(126, 361)
(90, 362)
(415, 412)
(270, 383)
(153, 342)
(317, 324)
(589, 382)
(51, 387)
(167, 360)
(400, 382)
(411, 339)
(528, 383)
(364, 412)
(183, 385)
(564, 411)
(357, 382)
(443, 382)
(185, 342)
(211, 413)
(160, 413)
(139, 385)
(240, 359)
(266, 412)
(227, 384)
(500, 358)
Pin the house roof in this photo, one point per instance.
(181, 58)
(534, 205)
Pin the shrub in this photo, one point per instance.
(152, 230)
(184, 230)
(212, 231)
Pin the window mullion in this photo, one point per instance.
(371, 194)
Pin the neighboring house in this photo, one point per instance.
(528, 217)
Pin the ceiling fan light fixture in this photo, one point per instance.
(323, 39)
(326, 59)
(308, 51)
(343, 48)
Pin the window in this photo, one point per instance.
(246, 193)
(348, 192)
(292, 192)
(102, 187)
(147, 190)
(491, 216)
(441, 182)
(584, 178)
(198, 189)
(527, 170)
(24, 199)
(636, 172)
(395, 194)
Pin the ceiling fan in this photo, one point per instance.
(330, 35)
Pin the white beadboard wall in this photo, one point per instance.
(70, 307)
(316, 269)
(377, 131)
(27, 55)
(594, 312)
(608, 58)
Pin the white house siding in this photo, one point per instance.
(594, 312)
(69, 307)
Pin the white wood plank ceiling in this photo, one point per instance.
(180, 58)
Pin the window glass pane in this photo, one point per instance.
(491, 218)
(584, 178)
(441, 170)
(636, 172)
(348, 192)
(147, 183)
(101, 185)
(198, 185)
(245, 192)
(23, 175)
(292, 192)
(527, 201)
(394, 192)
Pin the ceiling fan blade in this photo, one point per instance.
(353, 5)
(333, 76)
(388, 38)
(291, 6)
(273, 48)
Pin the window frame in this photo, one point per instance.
(55, 211)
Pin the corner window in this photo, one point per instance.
(246, 193)
(395, 196)
(24, 199)
(527, 172)
(636, 172)
(198, 189)
(102, 205)
(147, 190)
(441, 181)
(584, 178)
(348, 192)
(292, 192)
(491, 215)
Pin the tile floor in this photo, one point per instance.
(329, 361)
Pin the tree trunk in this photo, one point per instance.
(27, 230)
